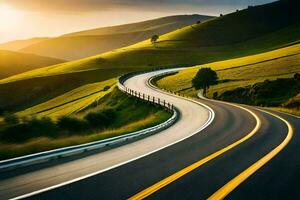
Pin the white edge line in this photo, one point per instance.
(206, 124)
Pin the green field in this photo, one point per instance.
(240, 72)
(236, 75)
(71, 102)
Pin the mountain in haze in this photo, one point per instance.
(12, 63)
(91, 42)
(17, 45)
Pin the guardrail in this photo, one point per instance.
(142, 96)
(77, 149)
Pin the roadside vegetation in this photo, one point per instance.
(268, 79)
(204, 78)
(279, 92)
(115, 114)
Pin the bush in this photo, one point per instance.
(42, 127)
(2, 111)
(215, 95)
(100, 119)
(71, 124)
(30, 129)
(106, 88)
(11, 119)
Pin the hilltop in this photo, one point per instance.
(91, 42)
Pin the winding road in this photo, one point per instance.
(215, 150)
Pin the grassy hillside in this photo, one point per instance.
(179, 48)
(71, 102)
(154, 24)
(262, 79)
(123, 114)
(16, 45)
(12, 63)
(91, 42)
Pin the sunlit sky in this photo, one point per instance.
(22, 19)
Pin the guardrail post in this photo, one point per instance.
(158, 101)
(164, 103)
(143, 96)
(153, 99)
(148, 97)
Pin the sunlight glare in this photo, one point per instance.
(9, 17)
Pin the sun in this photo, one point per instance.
(9, 16)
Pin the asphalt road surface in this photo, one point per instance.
(125, 171)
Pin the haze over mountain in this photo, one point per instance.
(51, 18)
(17, 45)
(91, 42)
(12, 63)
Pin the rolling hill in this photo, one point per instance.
(20, 44)
(231, 36)
(12, 63)
(91, 42)
(240, 72)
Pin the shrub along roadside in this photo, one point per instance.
(67, 125)
(268, 93)
(114, 115)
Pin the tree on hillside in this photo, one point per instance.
(154, 38)
(204, 78)
(11, 119)
(297, 76)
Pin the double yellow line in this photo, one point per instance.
(231, 185)
(157, 186)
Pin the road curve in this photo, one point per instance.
(231, 124)
(129, 179)
(33, 180)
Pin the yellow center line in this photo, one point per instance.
(157, 186)
(235, 182)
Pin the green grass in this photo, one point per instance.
(131, 115)
(240, 72)
(31, 92)
(70, 102)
